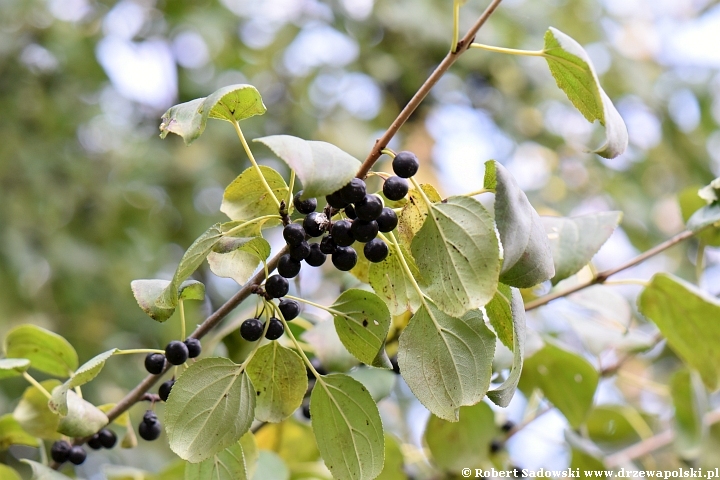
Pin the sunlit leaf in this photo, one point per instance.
(82, 419)
(394, 461)
(228, 464)
(34, 415)
(12, 433)
(389, 281)
(238, 258)
(47, 351)
(8, 473)
(414, 212)
(246, 198)
(513, 314)
(13, 367)
(84, 374)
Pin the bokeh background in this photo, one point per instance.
(91, 198)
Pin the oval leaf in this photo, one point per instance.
(362, 321)
(238, 258)
(247, 199)
(690, 402)
(12, 433)
(390, 283)
(47, 351)
(8, 473)
(321, 167)
(13, 367)
(84, 374)
(147, 294)
(414, 212)
(82, 419)
(211, 407)
(347, 428)
(41, 472)
(446, 361)
(33, 414)
(226, 465)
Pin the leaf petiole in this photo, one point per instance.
(289, 204)
(37, 385)
(456, 25)
(254, 163)
(509, 51)
(262, 220)
(299, 349)
(138, 350)
(388, 151)
(182, 319)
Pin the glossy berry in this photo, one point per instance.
(344, 258)
(507, 426)
(316, 257)
(290, 309)
(275, 329)
(304, 206)
(341, 234)
(335, 200)
(164, 390)
(306, 411)
(154, 363)
(395, 188)
(314, 224)
(495, 446)
(176, 352)
(405, 164)
(276, 286)
(251, 329)
(60, 451)
(353, 191)
(107, 437)
(150, 417)
(369, 208)
(94, 442)
(388, 220)
(300, 251)
(194, 347)
(350, 212)
(294, 233)
(376, 250)
(149, 431)
(288, 267)
(77, 455)
(364, 231)
(328, 245)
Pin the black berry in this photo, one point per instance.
(350, 212)
(507, 426)
(164, 390)
(388, 220)
(275, 329)
(328, 245)
(94, 442)
(194, 347)
(288, 267)
(395, 365)
(335, 200)
(276, 286)
(369, 208)
(290, 309)
(154, 363)
(376, 250)
(341, 233)
(405, 164)
(108, 439)
(77, 455)
(314, 224)
(316, 257)
(395, 188)
(294, 234)
(300, 251)
(495, 446)
(251, 329)
(149, 431)
(344, 258)
(176, 352)
(60, 451)
(364, 231)
(150, 417)
(306, 411)
(304, 206)
(353, 191)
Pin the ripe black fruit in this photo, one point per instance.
(60, 451)
(77, 455)
(275, 329)
(316, 257)
(276, 286)
(294, 233)
(150, 417)
(300, 251)
(376, 250)
(350, 212)
(341, 233)
(344, 258)
(507, 426)
(176, 352)
(335, 200)
(194, 347)
(388, 220)
(107, 437)
(149, 431)
(164, 390)
(288, 267)
(314, 224)
(395, 365)
(405, 164)
(364, 231)
(369, 208)
(94, 442)
(328, 245)
(353, 191)
(154, 363)
(304, 206)
(395, 188)
(495, 446)
(251, 329)
(290, 309)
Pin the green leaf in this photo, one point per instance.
(516, 317)
(211, 407)
(566, 379)
(378, 381)
(83, 375)
(686, 317)
(527, 258)
(280, 381)
(586, 456)
(690, 202)
(47, 351)
(614, 425)
(321, 167)
(238, 258)
(388, 280)
(704, 217)
(499, 313)
(462, 444)
(191, 290)
(292, 440)
(415, 211)
(34, 415)
(13, 367)
(12, 433)
(82, 419)
(250, 452)
(574, 241)
(574, 73)
(226, 465)
(147, 293)
(231, 103)
(347, 428)
(458, 254)
(362, 321)
(394, 461)
(271, 466)
(446, 361)
(41, 472)
(246, 198)
(690, 402)
(7, 473)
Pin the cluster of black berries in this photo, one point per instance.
(252, 328)
(176, 353)
(61, 451)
